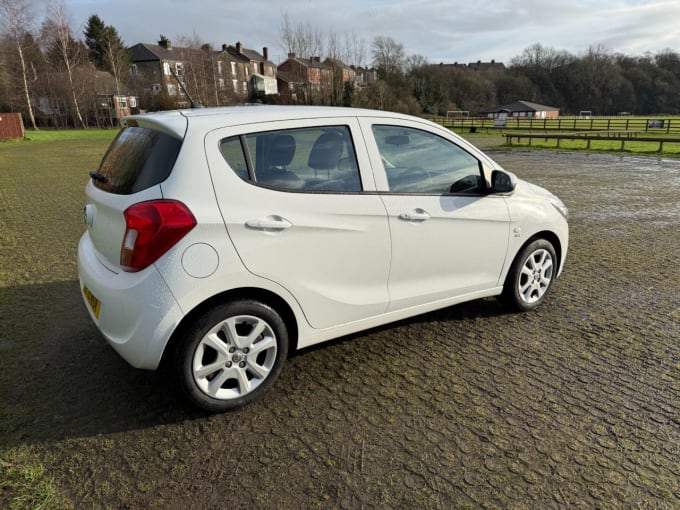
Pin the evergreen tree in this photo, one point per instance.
(95, 36)
(107, 50)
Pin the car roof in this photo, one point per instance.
(176, 121)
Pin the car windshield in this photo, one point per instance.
(137, 159)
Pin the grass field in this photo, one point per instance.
(41, 198)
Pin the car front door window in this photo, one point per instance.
(417, 161)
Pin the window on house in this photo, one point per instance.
(235, 83)
(245, 87)
(133, 70)
(219, 67)
(166, 69)
(233, 68)
(179, 69)
(122, 103)
(172, 90)
(254, 67)
(246, 69)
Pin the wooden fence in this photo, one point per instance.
(589, 136)
(11, 126)
(654, 125)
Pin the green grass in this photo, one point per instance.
(495, 140)
(42, 183)
(84, 135)
(24, 483)
(606, 146)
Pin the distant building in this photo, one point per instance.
(230, 75)
(523, 109)
(260, 72)
(154, 65)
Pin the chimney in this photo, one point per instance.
(265, 53)
(165, 43)
(316, 59)
(239, 47)
(291, 56)
(224, 47)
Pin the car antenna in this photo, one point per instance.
(194, 104)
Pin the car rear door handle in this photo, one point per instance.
(269, 223)
(415, 215)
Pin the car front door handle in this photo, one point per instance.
(415, 215)
(269, 223)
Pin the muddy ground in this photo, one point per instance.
(574, 405)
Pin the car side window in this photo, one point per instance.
(417, 161)
(305, 159)
(233, 154)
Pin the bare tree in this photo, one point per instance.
(388, 56)
(199, 69)
(15, 16)
(300, 38)
(355, 49)
(414, 62)
(64, 51)
(117, 59)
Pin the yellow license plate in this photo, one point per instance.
(95, 304)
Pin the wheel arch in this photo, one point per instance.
(549, 236)
(245, 293)
(552, 238)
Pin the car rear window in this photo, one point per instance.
(137, 159)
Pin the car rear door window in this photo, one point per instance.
(137, 159)
(320, 159)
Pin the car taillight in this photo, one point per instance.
(151, 229)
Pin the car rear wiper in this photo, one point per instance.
(99, 177)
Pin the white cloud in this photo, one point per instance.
(442, 31)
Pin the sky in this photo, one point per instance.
(440, 30)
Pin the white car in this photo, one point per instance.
(219, 239)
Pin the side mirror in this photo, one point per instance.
(503, 182)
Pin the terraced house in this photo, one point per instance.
(162, 74)
(305, 80)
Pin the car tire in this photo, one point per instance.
(531, 276)
(231, 355)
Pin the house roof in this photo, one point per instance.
(313, 62)
(522, 106)
(152, 52)
(247, 55)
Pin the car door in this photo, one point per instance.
(449, 235)
(297, 210)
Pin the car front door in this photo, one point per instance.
(297, 210)
(449, 235)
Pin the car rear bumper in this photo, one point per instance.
(137, 313)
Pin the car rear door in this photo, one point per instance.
(298, 213)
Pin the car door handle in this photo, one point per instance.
(269, 223)
(415, 215)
